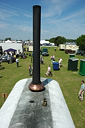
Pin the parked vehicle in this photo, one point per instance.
(4, 59)
(45, 52)
(79, 52)
(69, 51)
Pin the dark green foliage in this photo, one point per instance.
(70, 40)
(52, 40)
(81, 42)
(7, 38)
(58, 40)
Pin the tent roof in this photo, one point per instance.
(10, 50)
(8, 41)
(44, 42)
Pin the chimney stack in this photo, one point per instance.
(36, 84)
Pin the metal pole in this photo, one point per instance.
(36, 44)
(36, 84)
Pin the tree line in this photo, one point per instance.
(80, 41)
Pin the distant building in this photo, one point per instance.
(30, 48)
(62, 46)
(69, 46)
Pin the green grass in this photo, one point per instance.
(69, 82)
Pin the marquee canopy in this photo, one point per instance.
(10, 50)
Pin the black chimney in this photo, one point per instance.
(36, 84)
(36, 43)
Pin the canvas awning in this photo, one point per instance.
(10, 50)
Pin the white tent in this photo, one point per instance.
(17, 46)
(44, 42)
(8, 41)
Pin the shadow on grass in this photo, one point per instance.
(19, 66)
(1, 68)
(56, 70)
(43, 64)
(1, 76)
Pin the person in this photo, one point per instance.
(8, 59)
(49, 73)
(30, 70)
(14, 56)
(41, 60)
(53, 58)
(55, 49)
(60, 62)
(0, 61)
(81, 91)
(17, 61)
(21, 56)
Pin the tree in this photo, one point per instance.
(58, 40)
(70, 40)
(81, 42)
(7, 38)
(52, 40)
(46, 39)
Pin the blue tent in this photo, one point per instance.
(10, 50)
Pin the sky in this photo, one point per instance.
(64, 18)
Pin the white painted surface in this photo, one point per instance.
(60, 114)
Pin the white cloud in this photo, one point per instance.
(23, 28)
(7, 12)
(58, 18)
(27, 15)
(55, 8)
(3, 25)
(70, 25)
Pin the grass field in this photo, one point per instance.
(69, 81)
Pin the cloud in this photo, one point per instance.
(23, 28)
(58, 18)
(27, 15)
(8, 12)
(3, 25)
(55, 8)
